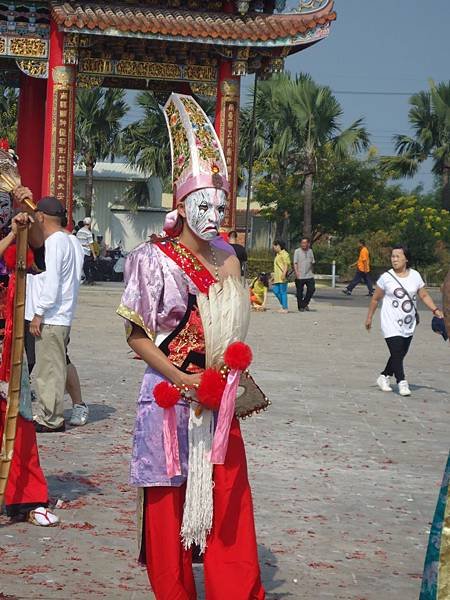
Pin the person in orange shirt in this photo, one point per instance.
(362, 271)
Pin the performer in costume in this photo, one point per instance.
(436, 573)
(26, 494)
(185, 304)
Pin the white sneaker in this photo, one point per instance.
(403, 388)
(43, 517)
(383, 382)
(80, 414)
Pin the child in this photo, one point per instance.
(258, 291)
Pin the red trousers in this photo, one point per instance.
(231, 558)
(26, 488)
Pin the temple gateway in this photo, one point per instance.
(202, 48)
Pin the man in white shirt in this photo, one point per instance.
(86, 239)
(50, 305)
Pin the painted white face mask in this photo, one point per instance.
(205, 210)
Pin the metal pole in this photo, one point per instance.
(333, 274)
(250, 162)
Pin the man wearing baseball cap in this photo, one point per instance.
(50, 305)
(86, 239)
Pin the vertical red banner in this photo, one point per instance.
(229, 138)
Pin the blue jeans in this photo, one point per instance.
(280, 291)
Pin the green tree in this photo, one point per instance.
(9, 99)
(429, 117)
(146, 144)
(98, 131)
(297, 120)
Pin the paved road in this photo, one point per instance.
(345, 478)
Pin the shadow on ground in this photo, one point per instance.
(97, 412)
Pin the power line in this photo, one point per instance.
(370, 93)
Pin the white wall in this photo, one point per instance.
(112, 221)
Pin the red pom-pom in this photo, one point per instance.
(9, 257)
(4, 144)
(211, 388)
(238, 356)
(166, 395)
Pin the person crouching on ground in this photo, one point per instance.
(399, 288)
(258, 291)
(50, 306)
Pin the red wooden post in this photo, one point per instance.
(59, 140)
(227, 128)
(30, 132)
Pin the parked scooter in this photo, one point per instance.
(111, 266)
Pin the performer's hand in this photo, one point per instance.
(35, 326)
(369, 323)
(189, 380)
(20, 194)
(21, 219)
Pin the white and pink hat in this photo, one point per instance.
(198, 161)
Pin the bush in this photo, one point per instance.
(259, 261)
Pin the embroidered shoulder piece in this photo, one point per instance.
(188, 262)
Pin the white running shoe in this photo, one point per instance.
(43, 517)
(80, 414)
(383, 382)
(403, 388)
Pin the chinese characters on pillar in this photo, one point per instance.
(62, 134)
(229, 137)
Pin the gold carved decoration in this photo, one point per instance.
(147, 69)
(34, 68)
(230, 90)
(70, 56)
(239, 67)
(204, 89)
(200, 73)
(2, 46)
(89, 81)
(243, 53)
(135, 68)
(28, 47)
(63, 76)
(96, 65)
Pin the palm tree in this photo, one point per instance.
(429, 117)
(8, 114)
(98, 131)
(297, 120)
(146, 145)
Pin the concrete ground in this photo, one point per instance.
(345, 478)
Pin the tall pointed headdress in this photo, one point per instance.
(197, 156)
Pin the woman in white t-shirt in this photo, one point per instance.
(399, 288)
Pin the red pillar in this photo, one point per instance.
(30, 132)
(227, 128)
(59, 141)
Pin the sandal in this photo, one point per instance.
(42, 517)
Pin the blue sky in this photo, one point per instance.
(384, 46)
(391, 46)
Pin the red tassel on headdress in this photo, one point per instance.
(4, 144)
(9, 258)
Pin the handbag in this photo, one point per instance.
(250, 397)
(416, 312)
